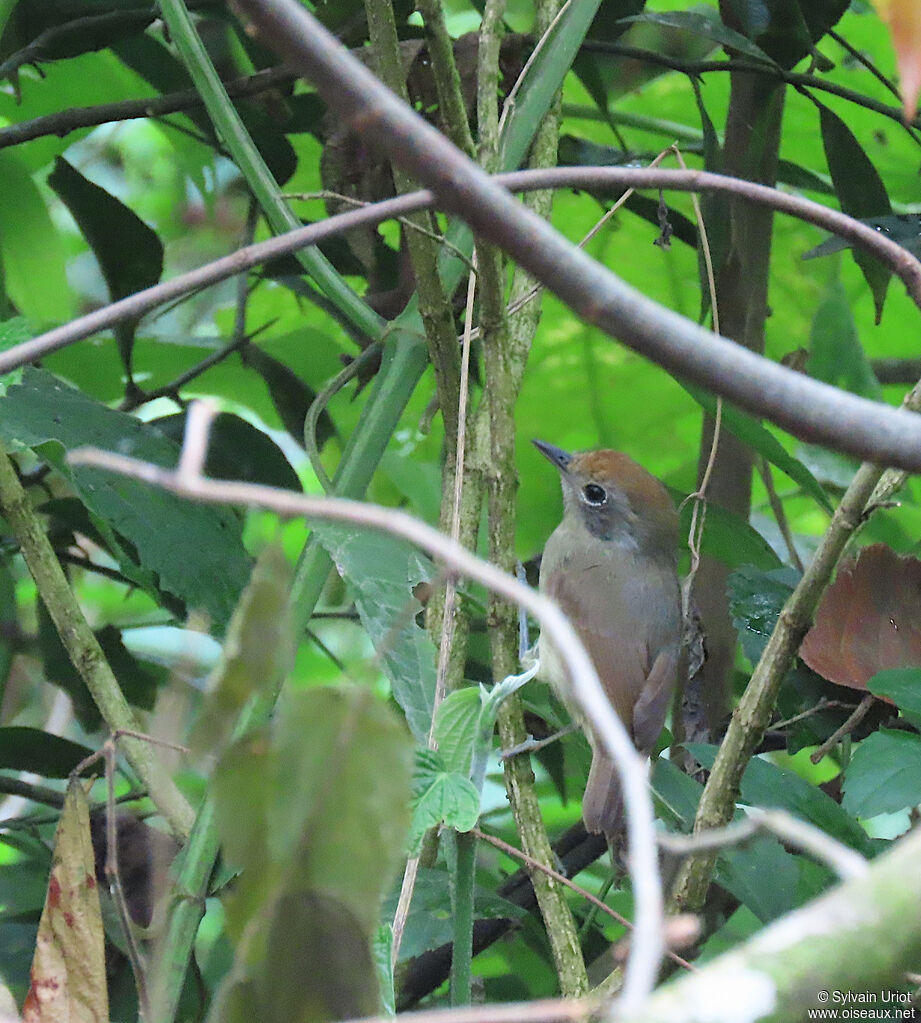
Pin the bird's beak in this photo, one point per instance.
(558, 456)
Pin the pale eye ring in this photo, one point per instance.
(594, 494)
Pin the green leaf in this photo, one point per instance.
(766, 785)
(31, 749)
(440, 797)
(330, 783)
(257, 655)
(902, 228)
(382, 953)
(743, 871)
(543, 78)
(381, 572)
(884, 774)
(901, 685)
(758, 437)
(291, 397)
(237, 450)
(457, 726)
(129, 253)
(860, 192)
(786, 30)
(836, 354)
(195, 551)
(730, 539)
(755, 599)
(31, 248)
(705, 23)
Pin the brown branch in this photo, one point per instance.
(65, 121)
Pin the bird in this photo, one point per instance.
(611, 566)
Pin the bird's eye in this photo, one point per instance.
(594, 494)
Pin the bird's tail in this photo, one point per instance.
(603, 803)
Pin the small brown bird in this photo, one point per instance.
(611, 566)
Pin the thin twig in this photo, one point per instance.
(857, 715)
(845, 862)
(821, 706)
(647, 947)
(603, 907)
(780, 516)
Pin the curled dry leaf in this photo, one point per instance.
(68, 969)
(904, 20)
(869, 619)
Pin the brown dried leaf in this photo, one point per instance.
(68, 968)
(869, 619)
(904, 20)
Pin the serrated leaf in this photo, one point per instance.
(195, 551)
(884, 774)
(68, 976)
(381, 572)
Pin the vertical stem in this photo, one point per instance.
(462, 909)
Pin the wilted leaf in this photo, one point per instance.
(68, 971)
(868, 619)
(904, 19)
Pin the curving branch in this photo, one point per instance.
(805, 407)
(186, 481)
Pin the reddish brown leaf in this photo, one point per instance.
(904, 20)
(68, 968)
(868, 620)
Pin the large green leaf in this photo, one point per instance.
(31, 749)
(755, 599)
(884, 774)
(130, 254)
(786, 30)
(835, 352)
(760, 439)
(195, 551)
(381, 572)
(860, 192)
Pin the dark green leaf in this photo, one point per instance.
(766, 785)
(755, 600)
(31, 749)
(742, 871)
(237, 450)
(836, 354)
(758, 437)
(884, 774)
(195, 551)
(902, 228)
(860, 192)
(786, 30)
(291, 396)
(129, 253)
(705, 23)
(730, 539)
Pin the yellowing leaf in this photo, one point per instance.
(904, 20)
(68, 968)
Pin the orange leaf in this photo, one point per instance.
(904, 20)
(68, 968)
(869, 619)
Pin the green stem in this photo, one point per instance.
(462, 883)
(84, 650)
(232, 132)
